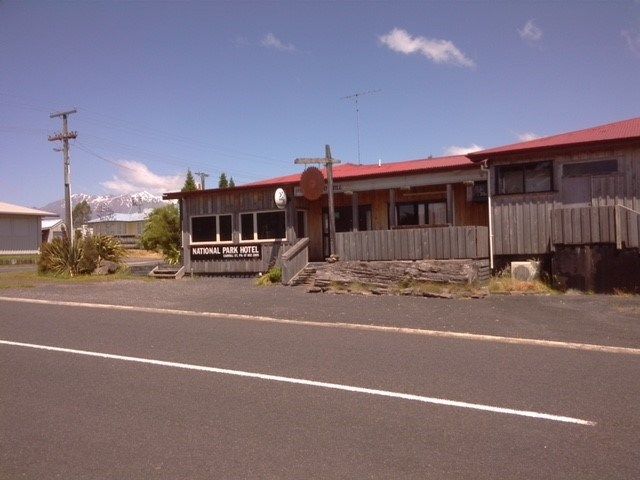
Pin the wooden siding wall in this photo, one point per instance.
(588, 225)
(522, 222)
(414, 244)
(234, 203)
(271, 253)
(118, 228)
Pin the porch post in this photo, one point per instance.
(449, 204)
(354, 211)
(393, 218)
(290, 219)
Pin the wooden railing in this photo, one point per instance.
(589, 225)
(294, 260)
(414, 244)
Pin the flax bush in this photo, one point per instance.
(59, 257)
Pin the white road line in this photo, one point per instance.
(589, 347)
(312, 383)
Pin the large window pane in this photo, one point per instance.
(271, 225)
(601, 167)
(246, 226)
(537, 177)
(510, 180)
(203, 229)
(408, 214)
(225, 228)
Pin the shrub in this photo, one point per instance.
(61, 258)
(273, 275)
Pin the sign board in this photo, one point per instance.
(280, 197)
(337, 188)
(245, 251)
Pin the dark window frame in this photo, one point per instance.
(217, 227)
(523, 167)
(577, 165)
(256, 230)
(426, 204)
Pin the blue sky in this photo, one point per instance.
(245, 87)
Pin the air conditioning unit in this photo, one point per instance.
(525, 271)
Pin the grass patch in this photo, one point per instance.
(33, 279)
(273, 276)
(18, 259)
(412, 287)
(146, 254)
(506, 284)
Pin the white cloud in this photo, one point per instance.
(438, 51)
(633, 40)
(530, 32)
(135, 177)
(458, 150)
(526, 136)
(271, 41)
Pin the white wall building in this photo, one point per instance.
(20, 229)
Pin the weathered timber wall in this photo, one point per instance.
(592, 225)
(522, 223)
(414, 244)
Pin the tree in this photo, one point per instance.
(81, 213)
(231, 183)
(162, 233)
(189, 183)
(223, 183)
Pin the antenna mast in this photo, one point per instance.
(355, 97)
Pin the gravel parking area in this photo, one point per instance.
(611, 320)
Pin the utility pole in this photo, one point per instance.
(356, 96)
(202, 176)
(64, 136)
(327, 161)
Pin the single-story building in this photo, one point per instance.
(127, 227)
(20, 229)
(52, 228)
(240, 229)
(529, 200)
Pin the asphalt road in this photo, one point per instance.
(71, 415)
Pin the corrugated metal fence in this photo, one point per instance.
(414, 244)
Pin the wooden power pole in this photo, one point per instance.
(328, 162)
(202, 176)
(64, 136)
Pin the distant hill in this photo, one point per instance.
(103, 205)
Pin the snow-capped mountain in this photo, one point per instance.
(103, 205)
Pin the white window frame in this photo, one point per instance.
(217, 240)
(255, 227)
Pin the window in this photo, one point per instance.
(211, 228)
(432, 213)
(408, 214)
(263, 226)
(525, 178)
(601, 167)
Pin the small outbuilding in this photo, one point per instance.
(127, 227)
(20, 229)
(52, 228)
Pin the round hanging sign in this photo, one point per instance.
(312, 183)
(280, 198)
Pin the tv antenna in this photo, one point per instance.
(355, 98)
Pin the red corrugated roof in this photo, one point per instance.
(350, 171)
(617, 131)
